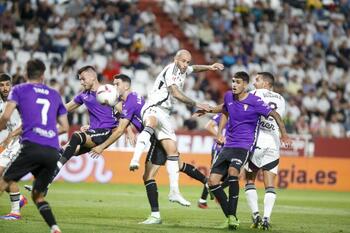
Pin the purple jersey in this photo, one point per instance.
(39, 107)
(217, 147)
(101, 116)
(243, 122)
(132, 110)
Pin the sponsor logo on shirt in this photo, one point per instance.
(44, 133)
(267, 125)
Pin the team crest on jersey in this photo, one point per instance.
(245, 106)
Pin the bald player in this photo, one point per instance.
(156, 119)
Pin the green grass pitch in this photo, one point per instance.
(104, 208)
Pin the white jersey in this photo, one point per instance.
(14, 122)
(269, 133)
(160, 96)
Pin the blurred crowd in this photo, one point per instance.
(306, 47)
(305, 44)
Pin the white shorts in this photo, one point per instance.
(266, 158)
(165, 129)
(10, 153)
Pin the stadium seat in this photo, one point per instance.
(23, 57)
(40, 55)
(100, 62)
(10, 54)
(141, 76)
(128, 72)
(139, 88)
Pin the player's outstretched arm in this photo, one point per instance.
(5, 117)
(213, 67)
(177, 94)
(216, 109)
(72, 105)
(284, 136)
(97, 150)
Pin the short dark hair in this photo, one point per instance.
(85, 68)
(5, 77)
(268, 77)
(123, 77)
(35, 69)
(242, 75)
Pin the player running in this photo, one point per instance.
(39, 139)
(266, 152)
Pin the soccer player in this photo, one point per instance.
(132, 104)
(242, 111)
(10, 141)
(212, 128)
(102, 118)
(156, 119)
(39, 139)
(266, 152)
(130, 111)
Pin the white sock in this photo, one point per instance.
(202, 200)
(155, 214)
(15, 199)
(269, 202)
(172, 167)
(252, 198)
(142, 142)
(55, 227)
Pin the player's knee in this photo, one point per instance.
(213, 181)
(270, 189)
(78, 138)
(249, 186)
(37, 196)
(148, 176)
(234, 170)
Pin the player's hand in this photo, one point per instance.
(134, 165)
(96, 152)
(286, 141)
(84, 128)
(205, 107)
(199, 113)
(220, 139)
(131, 137)
(216, 66)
